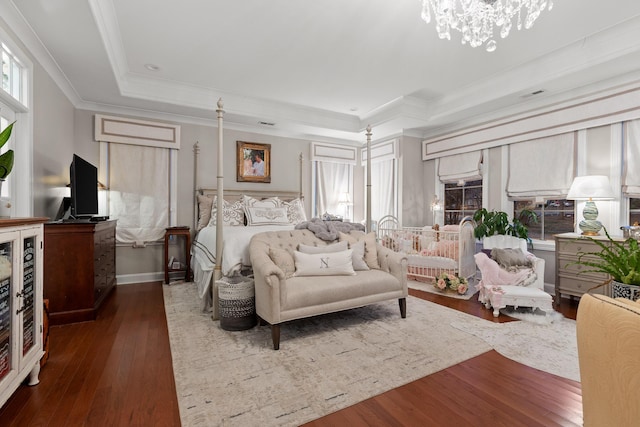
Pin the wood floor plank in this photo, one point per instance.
(117, 371)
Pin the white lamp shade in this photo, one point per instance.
(591, 187)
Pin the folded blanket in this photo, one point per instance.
(328, 230)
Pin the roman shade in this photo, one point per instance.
(542, 167)
(466, 166)
(631, 173)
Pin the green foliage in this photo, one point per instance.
(489, 223)
(6, 159)
(619, 260)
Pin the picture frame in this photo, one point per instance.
(253, 162)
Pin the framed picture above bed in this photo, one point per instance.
(253, 162)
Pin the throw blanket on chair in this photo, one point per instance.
(328, 230)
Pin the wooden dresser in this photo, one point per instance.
(569, 277)
(79, 268)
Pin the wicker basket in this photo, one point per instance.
(237, 303)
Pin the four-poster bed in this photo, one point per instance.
(232, 242)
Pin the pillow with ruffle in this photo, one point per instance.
(295, 211)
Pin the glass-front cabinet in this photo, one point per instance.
(21, 306)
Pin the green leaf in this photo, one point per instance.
(6, 164)
(6, 134)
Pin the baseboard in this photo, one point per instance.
(126, 279)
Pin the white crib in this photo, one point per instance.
(432, 250)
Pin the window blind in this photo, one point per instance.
(543, 167)
(465, 166)
(139, 192)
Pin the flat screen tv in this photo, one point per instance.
(84, 188)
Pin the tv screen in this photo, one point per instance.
(84, 188)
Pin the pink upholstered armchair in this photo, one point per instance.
(502, 286)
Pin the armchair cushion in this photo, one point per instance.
(510, 257)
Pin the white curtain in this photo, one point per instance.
(631, 174)
(465, 166)
(332, 180)
(139, 192)
(543, 167)
(382, 189)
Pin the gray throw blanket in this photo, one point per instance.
(328, 230)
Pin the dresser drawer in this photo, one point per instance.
(575, 286)
(566, 266)
(576, 246)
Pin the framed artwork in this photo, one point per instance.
(253, 162)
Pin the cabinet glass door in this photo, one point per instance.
(6, 291)
(28, 294)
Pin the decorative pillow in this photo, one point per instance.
(232, 213)
(204, 211)
(266, 216)
(370, 250)
(272, 202)
(510, 257)
(295, 211)
(283, 259)
(357, 259)
(335, 247)
(327, 264)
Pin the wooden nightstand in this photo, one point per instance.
(178, 231)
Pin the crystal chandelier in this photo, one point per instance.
(475, 19)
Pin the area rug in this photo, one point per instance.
(428, 287)
(324, 364)
(528, 314)
(550, 347)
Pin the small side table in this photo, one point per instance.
(186, 233)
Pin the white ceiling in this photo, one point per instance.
(323, 69)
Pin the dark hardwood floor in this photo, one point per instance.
(116, 371)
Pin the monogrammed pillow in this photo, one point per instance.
(327, 264)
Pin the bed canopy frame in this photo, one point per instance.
(220, 184)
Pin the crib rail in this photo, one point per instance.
(432, 251)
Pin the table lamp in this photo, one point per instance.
(590, 188)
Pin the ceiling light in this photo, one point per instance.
(151, 67)
(476, 19)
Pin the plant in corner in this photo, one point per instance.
(490, 223)
(619, 260)
(6, 158)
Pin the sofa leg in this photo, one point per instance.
(403, 307)
(275, 336)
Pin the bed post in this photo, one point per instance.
(196, 152)
(369, 179)
(300, 194)
(220, 193)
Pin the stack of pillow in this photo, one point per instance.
(250, 211)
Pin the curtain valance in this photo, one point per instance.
(542, 167)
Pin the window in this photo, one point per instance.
(332, 180)
(15, 99)
(461, 199)
(554, 217)
(383, 184)
(12, 74)
(634, 211)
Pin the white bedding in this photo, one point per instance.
(235, 246)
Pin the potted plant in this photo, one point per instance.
(490, 223)
(6, 158)
(620, 260)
